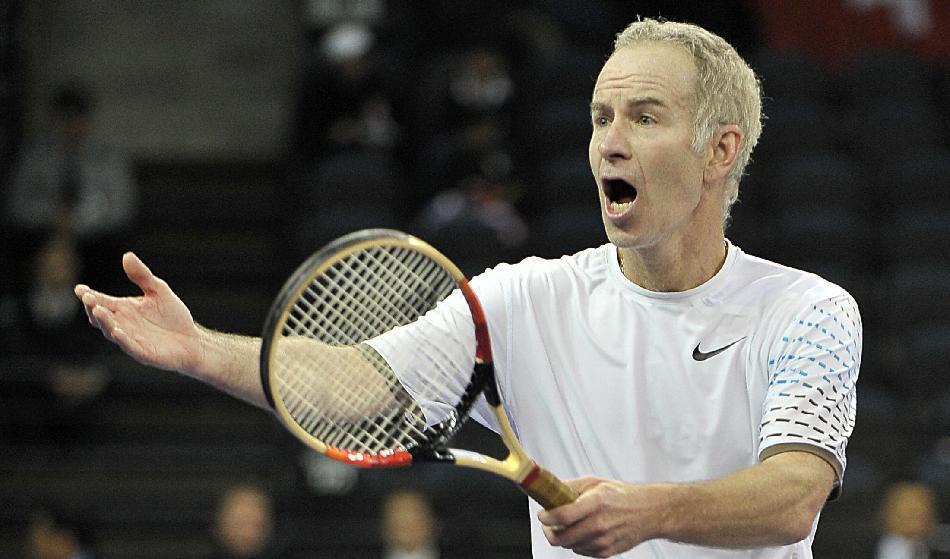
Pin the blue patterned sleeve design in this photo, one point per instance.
(813, 367)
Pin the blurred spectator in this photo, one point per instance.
(480, 86)
(481, 195)
(323, 14)
(463, 112)
(908, 518)
(52, 322)
(466, 99)
(408, 526)
(67, 184)
(49, 314)
(47, 322)
(244, 525)
(346, 99)
(56, 535)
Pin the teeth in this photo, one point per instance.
(619, 207)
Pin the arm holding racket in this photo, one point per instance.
(772, 503)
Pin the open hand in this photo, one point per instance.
(155, 328)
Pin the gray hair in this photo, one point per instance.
(727, 89)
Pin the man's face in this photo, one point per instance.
(649, 177)
(244, 523)
(45, 541)
(407, 522)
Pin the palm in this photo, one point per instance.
(159, 329)
(155, 328)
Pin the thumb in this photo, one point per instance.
(139, 273)
(583, 484)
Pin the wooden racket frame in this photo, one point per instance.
(535, 481)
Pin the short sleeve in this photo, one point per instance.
(813, 369)
(443, 339)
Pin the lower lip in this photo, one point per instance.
(618, 213)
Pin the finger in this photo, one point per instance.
(583, 484)
(579, 535)
(550, 534)
(571, 513)
(139, 273)
(104, 321)
(80, 289)
(89, 302)
(91, 298)
(113, 331)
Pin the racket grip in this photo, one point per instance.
(545, 488)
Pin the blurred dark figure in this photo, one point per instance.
(327, 13)
(244, 525)
(346, 100)
(52, 324)
(56, 535)
(47, 324)
(908, 519)
(68, 185)
(480, 196)
(463, 113)
(409, 529)
(481, 88)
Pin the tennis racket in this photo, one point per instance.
(341, 369)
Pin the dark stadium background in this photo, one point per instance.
(222, 109)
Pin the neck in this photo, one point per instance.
(671, 269)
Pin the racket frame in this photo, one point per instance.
(517, 466)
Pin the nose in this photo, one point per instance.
(614, 144)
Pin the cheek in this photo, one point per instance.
(595, 161)
(679, 166)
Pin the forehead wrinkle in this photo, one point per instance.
(647, 77)
(643, 90)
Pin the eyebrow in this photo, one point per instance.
(597, 106)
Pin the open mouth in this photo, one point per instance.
(620, 194)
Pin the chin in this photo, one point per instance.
(622, 237)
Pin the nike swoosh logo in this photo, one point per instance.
(702, 355)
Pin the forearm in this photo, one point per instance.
(772, 503)
(230, 363)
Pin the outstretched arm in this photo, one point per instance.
(157, 329)
(772, 503)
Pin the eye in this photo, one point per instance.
(646, 120)
(601, 120)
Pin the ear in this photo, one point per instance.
(722, 152)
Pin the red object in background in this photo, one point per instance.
(835, 30)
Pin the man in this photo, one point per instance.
(408, 526)
(908, 520)
(69, 183)
(243, 525)
(54, 534)
(701, 398)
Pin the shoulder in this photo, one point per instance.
(770, 284)
(787, 299)
(551, 275)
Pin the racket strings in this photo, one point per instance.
(359, 404)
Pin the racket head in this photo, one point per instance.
(352, 290)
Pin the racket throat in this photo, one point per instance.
(439, 454)
(483, 377)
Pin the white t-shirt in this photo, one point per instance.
(602, 377)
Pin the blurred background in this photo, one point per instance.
(224, 141)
